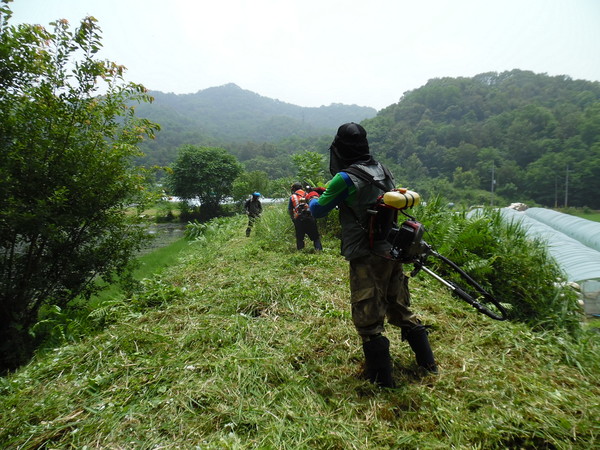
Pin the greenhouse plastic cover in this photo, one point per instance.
(582, 230)
(576, 259)
(574, 244)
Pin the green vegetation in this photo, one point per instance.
(584, 213)
(67, 143)
(309, 167)
(247, 182)
(230, 342)
(528, 132)
(82, 317)
(505, 262)
(205, 174)
(247, 343)
(525, 133)
(146, 266)
(590, 216)
(233, 117)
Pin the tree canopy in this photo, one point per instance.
(205, 174)
(66, 172)
(540, 133)
(310, 167)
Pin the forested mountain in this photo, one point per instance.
(536, 136)
(228, 114)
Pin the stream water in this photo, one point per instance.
(163, 234)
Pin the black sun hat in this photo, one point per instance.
(351, 141)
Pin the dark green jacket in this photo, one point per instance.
(354, 196)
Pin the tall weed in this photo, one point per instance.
(275, 228)
(500, 256)
(211, 230)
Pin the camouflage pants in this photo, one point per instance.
(251, 219)
(379, 290)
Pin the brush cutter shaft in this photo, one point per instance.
(460, 292)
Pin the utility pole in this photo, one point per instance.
(567, 188)
(493, 184)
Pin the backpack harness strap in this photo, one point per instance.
(359, 173)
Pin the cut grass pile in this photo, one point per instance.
(246, 343)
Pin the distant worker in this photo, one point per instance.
(253, 209)
(378, 287)
(304, 222)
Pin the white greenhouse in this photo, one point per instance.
(573, 242)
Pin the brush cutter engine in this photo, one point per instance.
(409, 247)
(407, 242)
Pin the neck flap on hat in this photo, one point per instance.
(338, 163)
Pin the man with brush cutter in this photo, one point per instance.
(379, 289)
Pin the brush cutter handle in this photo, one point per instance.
(460, 292)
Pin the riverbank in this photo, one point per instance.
(163, 252)
(163, 234)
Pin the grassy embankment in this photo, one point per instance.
(583, 213)
(246, 343)
(149, 263)
(594, 216)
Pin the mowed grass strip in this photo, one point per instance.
(247, 343)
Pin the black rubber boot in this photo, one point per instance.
(378, 361)
(419, 342)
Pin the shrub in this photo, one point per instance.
(68, 137)
(499, 256)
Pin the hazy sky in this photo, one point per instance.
(318, 52)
